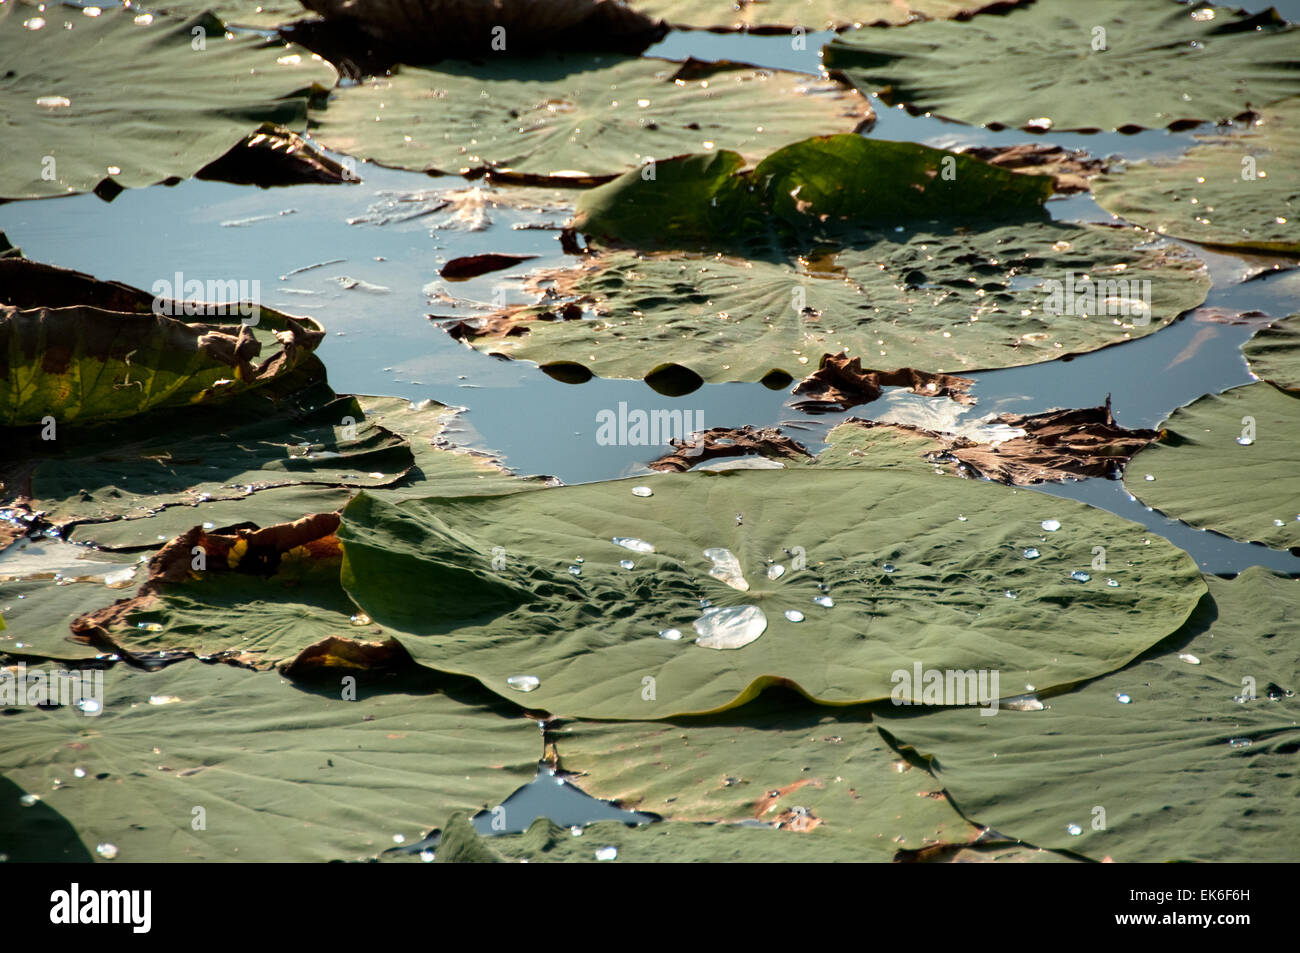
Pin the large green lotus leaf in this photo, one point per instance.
(1227, 463)
(778, 759)
(1163, 64)
(577, 116)
(680, 843)
(1239, 190)
(889, 448)
(1186, 770)
(1274, 353)
(282, 774)
(950, 302)
(486, 587)
(67, 98)
(258, 460)
(39, 613)
(782, 16)
(256, 13)
(829, 184)
(82, 364)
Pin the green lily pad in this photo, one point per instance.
(1227, 464)
(1148, 65)
(487, 587)
(1274, 354)
(941, 301)
(255, 13)
(782, 16)
(1236, 190)
(1185, 770)
(281, 774)
(71, 121)
(577, 117)
(778, 760)
(39, 614)
(816, 185)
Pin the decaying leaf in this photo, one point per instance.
(1050, 447)
(840, 383)
(471, 266)
(276, 156)
(728, 442)
(1071, 169)
(332, 653)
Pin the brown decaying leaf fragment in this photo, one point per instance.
(1071, 169)
(332, 653)
(728, 442)
(1058, 445)
(275, 156)
(840, 383)
(243, 548)
(471, 266)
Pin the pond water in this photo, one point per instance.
(373, 286)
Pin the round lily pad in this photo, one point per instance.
(531, 592)
(1227, 463)
(1143, 65)
(1274, 353)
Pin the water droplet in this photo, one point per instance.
(730, 627)
(1080, 576)
(1051, 525)
(960, 518)
(575, 570)
(627, 564)
(794, 615)
(1074, 829)
(1011, 595)
(1149, 478)
(427, 856)
(1245, 441)
(887, 567)
(1239, 742)
(106, 850)
(672, 635)
(1023, 703)
(1277, 523)
(163, 699)
(1189, 658)
(523, 683)
(726, 568)
(705, 603)
(34, 23)
(1112, 583)
(1031, 553)
(607, 853)
(630, 542)
(1123, 698)
(775, 571)
(825, 601)
(642, 491)
(360, 619)
(79, 772)
(27, 800)
(575, 831)
(89, 705)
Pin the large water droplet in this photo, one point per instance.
(775, 571)
(1149, 478)
(887, 567)
(794, 615)
(575, 570)
(106, 850)
(627, 564)
(826, 601)
(89, 705)
(1123, 698)
(1031, 553)
(672, 635)
(730, 627)
(360, 619)
(1080, 576)
(523, 683)
(642, 491)
(1051, 525)
(632, 543)
(726, 568)
(1189, 658)
(607, 853)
